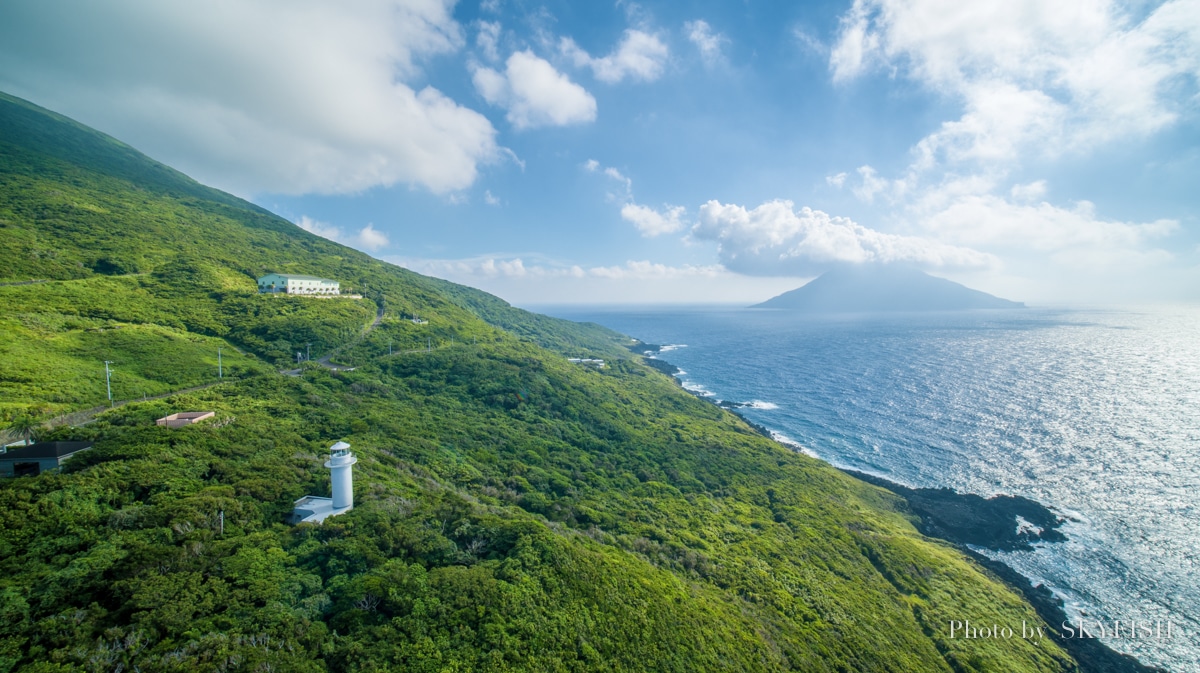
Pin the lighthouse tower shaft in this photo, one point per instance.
(341, 477)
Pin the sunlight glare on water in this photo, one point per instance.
(1093, 413)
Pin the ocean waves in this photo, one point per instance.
(1091, 413)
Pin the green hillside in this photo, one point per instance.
(514, 512)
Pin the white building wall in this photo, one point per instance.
(291, 285)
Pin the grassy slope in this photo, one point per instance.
(514, 512)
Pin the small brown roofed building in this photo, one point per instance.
(184, 418)
(34, 459)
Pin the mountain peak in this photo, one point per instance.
(883, 288)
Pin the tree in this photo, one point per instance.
(24, 426)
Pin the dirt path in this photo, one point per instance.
(327, 360)
(85, 416)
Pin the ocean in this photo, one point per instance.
(1094, 413)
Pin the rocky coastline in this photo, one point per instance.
(966, 520)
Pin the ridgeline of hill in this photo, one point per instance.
(514, 511)
(870, 289)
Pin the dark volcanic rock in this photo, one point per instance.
(967, 518)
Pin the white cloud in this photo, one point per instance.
(534, 93)
(256, 96)
(547, 281)
(621, 179)
(1033, 191)
(871, 184)
(775, 239)
(489, 199)
(625, 193)
(1034, 80)
(836, 180)
(708, 42)
(367, 238)
(653, 223)
(493, 266)
(1069, 233)
(810, 42)
(646, 270)
(488, 39)
(999, 122)
(322, 229)
(649, 221)
(639, 56)
(371, 238)
(855, 43)
(1046, 76)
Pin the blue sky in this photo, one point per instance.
(556, 152)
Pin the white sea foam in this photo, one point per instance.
(759, 404)
(697, 389)
(1002, 403)
(789, 442)
(670, 347)
(1024, 526)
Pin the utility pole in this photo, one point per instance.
(221, 518)
(308, 351)
(389, 346)
(220, 369)
(108, 382)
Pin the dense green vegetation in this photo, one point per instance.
(513, 512)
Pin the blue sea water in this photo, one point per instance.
(1095, 414)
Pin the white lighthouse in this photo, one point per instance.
(341, 480)
(341, 475)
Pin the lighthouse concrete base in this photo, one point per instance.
(315, 509)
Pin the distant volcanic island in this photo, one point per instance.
(883, 288)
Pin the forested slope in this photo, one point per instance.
(513, 511)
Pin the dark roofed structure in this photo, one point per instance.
(36, 458)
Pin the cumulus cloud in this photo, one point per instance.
(640, 56)
(1034, 80)
(837, 180)
(367, 238)
(256, 96)
(371, 238)
(776, 239)
(651, 222)
(534, 93)
(1049, 76)
(708, 42)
